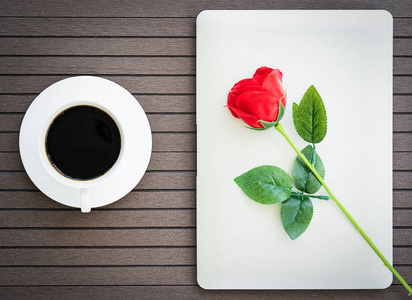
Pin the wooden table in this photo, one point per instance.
(144, 245)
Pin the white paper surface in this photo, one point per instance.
(347, 55)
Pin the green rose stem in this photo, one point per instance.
(332, 196)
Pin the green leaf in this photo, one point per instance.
(296, 215)
(266, 184)
(303, 177)
(309, 117)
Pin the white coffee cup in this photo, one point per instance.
(124, 110)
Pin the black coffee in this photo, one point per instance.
(83, 142)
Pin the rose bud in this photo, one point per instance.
(259, 101)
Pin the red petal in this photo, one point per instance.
(232, 111)
(247, 118)
(261, 74)
(245, 85)
(260, 104)
(273, 83)
(231, 99)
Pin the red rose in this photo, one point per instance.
(258, 99)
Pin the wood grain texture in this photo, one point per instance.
(100, 27)
(124, 275)
(104, 218)
(150, 103)
(121, 46)
(117, 29)
(190, 292)
(181, 256)
(150, 181)
(118, 237)
(134, 84)
(402, 103)
(107, 65)
(133, 200)
(83, 46)
(187, 8)
(153, 237)
(144, 245)
(124, 218)
(106, 257)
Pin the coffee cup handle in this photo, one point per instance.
(85, 200)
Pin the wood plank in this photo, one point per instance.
(11, 276)
(133, 200)
(98, 218)
(150, 103)
(104, 65)
(402, 142)
(165, 8)
(402, 46)
(123, 218)
(151, 180)
(402, 161)
(122, 257)
(402, 85)
(134, 84)
(166, 237)
(401, 199)
(191, 292)
(402, 218)
(98, 276)
(402, 103)
(402, 180)
(177, 161)
(97, 27)
(102, 257)
(402, 123)
(402, 236)
(112, 46)
(402, 66)
(44, 65)
(25, 84)
(123, 237)
(161, 142)
(403, 27)
(118, 46)
(402, 256)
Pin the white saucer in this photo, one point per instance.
(135, 135)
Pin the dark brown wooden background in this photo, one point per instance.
(143, 246)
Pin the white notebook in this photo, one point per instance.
(347, 55)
